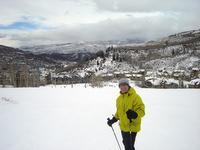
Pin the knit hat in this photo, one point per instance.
(124, 81)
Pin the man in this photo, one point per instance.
(130, 110)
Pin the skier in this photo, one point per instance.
(130, 110)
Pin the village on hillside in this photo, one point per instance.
(172, 62)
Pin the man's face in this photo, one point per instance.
(124, 88)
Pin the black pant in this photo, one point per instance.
(129, 140)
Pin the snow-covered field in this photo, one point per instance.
(65, 118)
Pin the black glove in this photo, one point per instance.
(131, 114)
(111, 121)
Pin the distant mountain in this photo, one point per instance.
(183, 38)
(16, 56)
(179, 51)
(11, 55)
(79, 47)
(76, 52)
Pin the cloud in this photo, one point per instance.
(148, 5)
(35, 22)
(2, 35)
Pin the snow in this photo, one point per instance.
(155, 81)
(195, 69)
(195, 82)
(183, 61)
(82, 46)
(172, 81)
(68, 47)
(65, 118)
(109, 67)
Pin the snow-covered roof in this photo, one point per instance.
(195, 81)
(137, 75)
(195, 69)
(128, 75)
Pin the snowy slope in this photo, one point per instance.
(108, 66)
(65, 118)
(76, 47)
(178, 62)
(65, 48)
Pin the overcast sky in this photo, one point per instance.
(32, 22)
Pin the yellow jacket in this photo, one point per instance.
(130, 100)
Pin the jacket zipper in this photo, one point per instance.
(125, 112)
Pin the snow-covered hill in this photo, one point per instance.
(78, 62)
(76, 47)
(65, 118)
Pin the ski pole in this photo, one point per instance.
(115, 136)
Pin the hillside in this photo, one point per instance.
(174, 57)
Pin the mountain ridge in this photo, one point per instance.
(179, 52)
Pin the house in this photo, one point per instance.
(194, 83)
(178, 74)
(195, 73)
